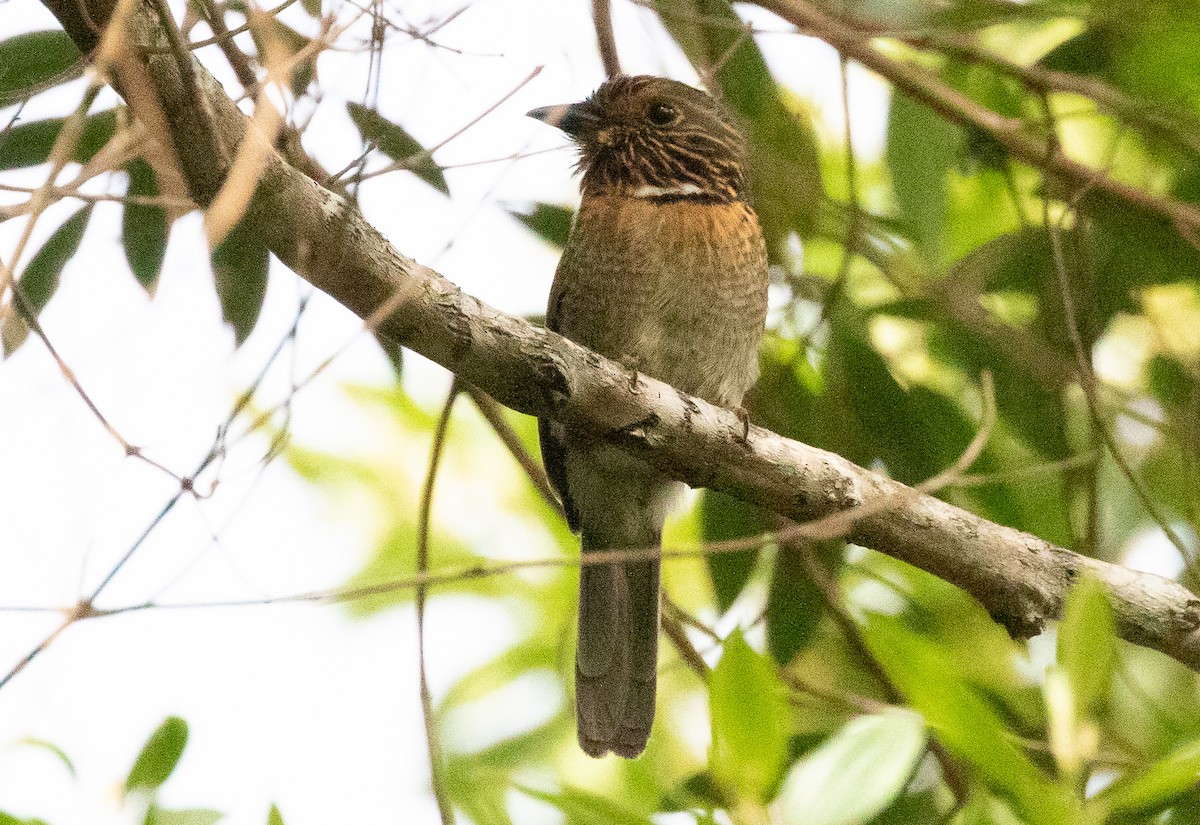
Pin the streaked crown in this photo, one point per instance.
(654, 137)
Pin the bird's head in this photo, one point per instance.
(649, 136)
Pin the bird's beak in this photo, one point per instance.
(572, 118)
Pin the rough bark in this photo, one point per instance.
(1020, 579)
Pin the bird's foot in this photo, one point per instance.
(631, 362)
(743, 416)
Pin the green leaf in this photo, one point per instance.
(9, 819)
(290, 42)
(1154, 790)
(751, 722)
(965, 723)
(723, 518)
(794, 602)
(41, 277)
(144, 228)
(33, 62)
(784, 160)
(190, 816)
(240, 266)
(273, 816)
(30, 143)
(586, 808)
(1087, 642)
(159, 756)
(922, 147)
(550, 223)
(856, 773)
(54, 749)
(397, 144)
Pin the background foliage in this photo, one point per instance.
(814, 684)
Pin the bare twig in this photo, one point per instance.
(606, 41)
(427, 154)
(432, 742)
(1087, 380)
(957, 107)
(494, 415)
(673, 628)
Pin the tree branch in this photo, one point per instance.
(1020, 579)
(957, 107)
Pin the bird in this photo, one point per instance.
(664, 270)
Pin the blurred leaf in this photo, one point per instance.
(856, 773)
(9, 819)
(922, 148)
(789, 392)
(479, 792)
(1088, 53)
(538, 652)
(751, 723)
(697, 791)
(965, 15)
(1087, 642)
(54, 749)
(549, 222)
(784, 161)
(585, 807)
(397, 144)
(393, 560)
(144, 228)
(1132, 248)
(41, 277)
(32, 62)
(288, 42)
(159, 756)
(1148, 55)
(1185, 810)
(963, 722)
(918, 808)
(915, 431)
(724, 518)
(273, 816)
(313, 7)
(190, 816)
(30, 143)
(794, 602)
(240, 266)
(1154, 789)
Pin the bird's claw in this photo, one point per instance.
(743, 416)
(630, 363)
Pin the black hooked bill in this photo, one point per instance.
(569, 117)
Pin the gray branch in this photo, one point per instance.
(1019, 579)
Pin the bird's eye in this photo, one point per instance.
(662, 113)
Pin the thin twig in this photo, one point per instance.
(493, 413)
(427, 154)
(1087, 381)
(853, 207)
(831, 594)
(606, 41)
(955, 106)
(237, 59)
(673, 629)
(85, 608)
(228, 34)
(437, 778)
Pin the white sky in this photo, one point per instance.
(293, 704)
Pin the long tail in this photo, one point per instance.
(616, 661)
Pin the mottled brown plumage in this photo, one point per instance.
(666, 270)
